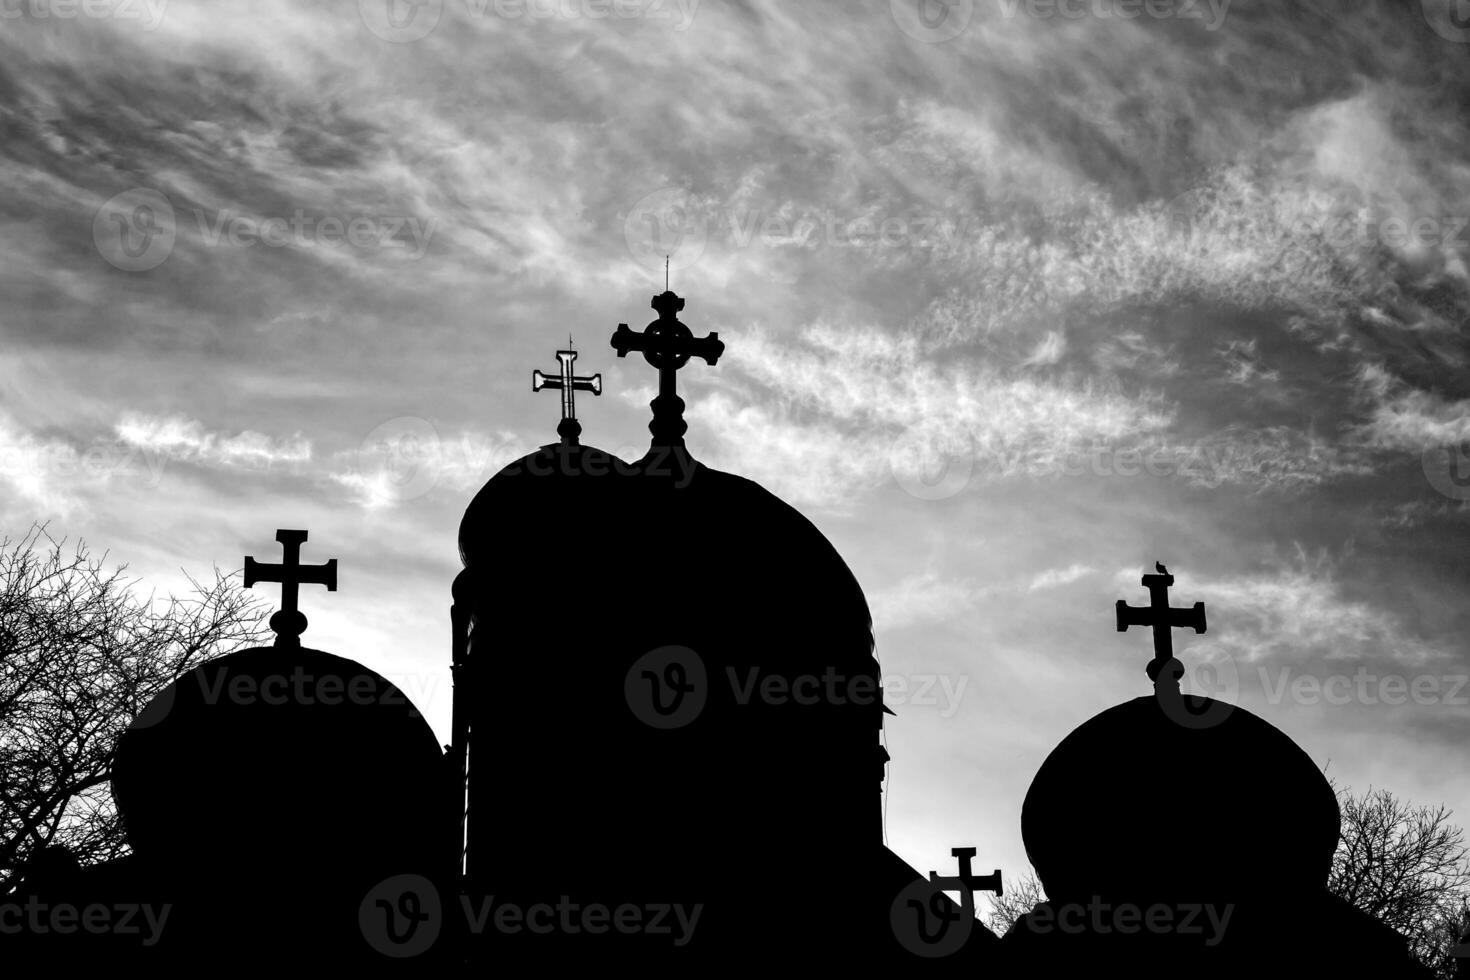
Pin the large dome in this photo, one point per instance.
(1160, 796)
(593, 597)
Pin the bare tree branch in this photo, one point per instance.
(81, 653)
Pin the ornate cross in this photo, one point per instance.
(1163, 619)
(667, 344)
(568, 384)
(288, 622)
(967, 883)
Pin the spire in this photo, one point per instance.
(568, 383)
(289, 622)
(1164, 619)
(668, 344)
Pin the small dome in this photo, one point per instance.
(278, 756)
(1158, 797)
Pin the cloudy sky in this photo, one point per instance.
(1018, 298)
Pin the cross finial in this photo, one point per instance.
(667, 345)
(1164, 620)
(568, 383)
(288, 622)
(967, 883)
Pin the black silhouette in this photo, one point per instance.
(264, 794)
(1202, 812)
(289, 622)
(661, 690)
(667, 712)
(667, 344)
(1164, 620)
(568, 384)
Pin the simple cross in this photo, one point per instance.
(568, 383)
(667, 344)
(288, 622)
(1163, 619)
(967, 883)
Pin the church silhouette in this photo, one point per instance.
(667, 749)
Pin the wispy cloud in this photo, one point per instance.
(187, 440)
(1054, 577)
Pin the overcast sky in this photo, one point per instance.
(1018, 298)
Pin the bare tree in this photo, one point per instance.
(1020, 897)
(1407, 866)
(81, 653)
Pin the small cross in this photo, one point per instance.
(668, 344)
(967, 883)
(288, 622)
(569, 428)
(1163, 619)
